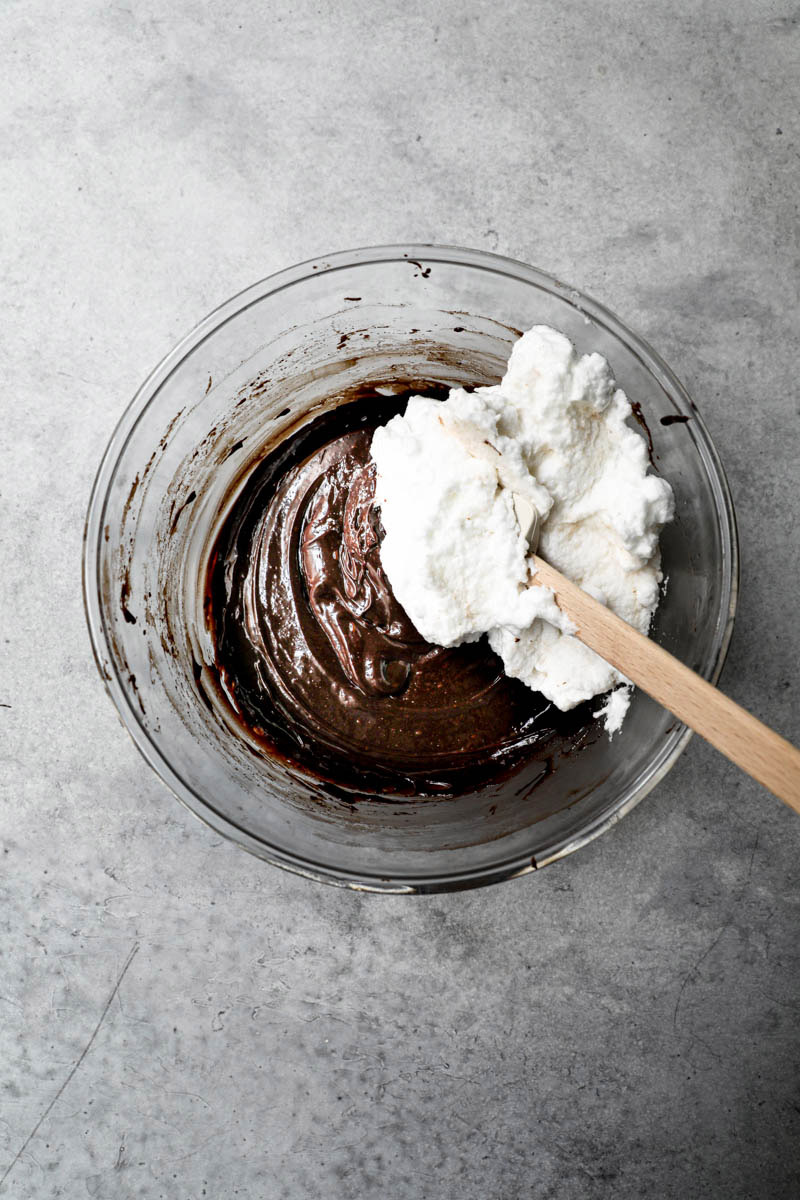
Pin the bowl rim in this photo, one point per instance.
(199, 806)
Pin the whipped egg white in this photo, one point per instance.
(555, 431)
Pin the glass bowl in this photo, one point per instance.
(265, 363)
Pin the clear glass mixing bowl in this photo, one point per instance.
(251, 373)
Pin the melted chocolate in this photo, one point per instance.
(320, 661)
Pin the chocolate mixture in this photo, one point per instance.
(320, 661)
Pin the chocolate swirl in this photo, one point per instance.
(348, 592)
(320, 660)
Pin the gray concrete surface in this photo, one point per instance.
(180, 1021)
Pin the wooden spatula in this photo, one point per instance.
(759, 751)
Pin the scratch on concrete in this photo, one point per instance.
(692, 974)
(73, 1069)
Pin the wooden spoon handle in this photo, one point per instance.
(754, 747)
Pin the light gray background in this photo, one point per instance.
(624, 1023)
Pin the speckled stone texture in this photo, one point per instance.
(179, 1020)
